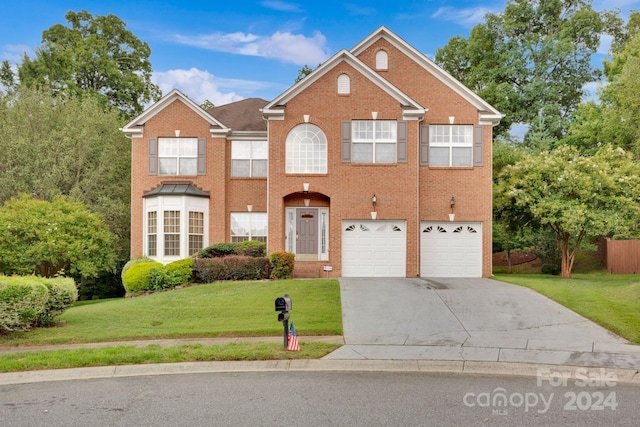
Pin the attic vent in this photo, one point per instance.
(382, 60)
(344, 84)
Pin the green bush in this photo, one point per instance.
(281, 264)
(219, 250)
(252, 248)
(136, 278)
(180, 272)
(134, 261)
(62, 294)
(22, 300)
(552, 269)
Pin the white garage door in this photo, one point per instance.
(451, 249)
(374, 248)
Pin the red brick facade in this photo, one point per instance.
(407, 191)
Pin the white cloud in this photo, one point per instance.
(284, 46)
(467, 17)
(201, 85)
(281, 6)
(14, 52)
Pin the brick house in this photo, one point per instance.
(376, 164)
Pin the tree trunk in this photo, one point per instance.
(508, 261)
(567, 258)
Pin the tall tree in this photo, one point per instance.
(52, 146)
(532, 60)
(96, 55)
(575, 195)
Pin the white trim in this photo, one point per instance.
(290, 241)
(274, 110)
(487, 112)
(135, 125)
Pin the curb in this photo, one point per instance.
(627, 376)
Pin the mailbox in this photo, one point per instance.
(287, 301)
(281, 304)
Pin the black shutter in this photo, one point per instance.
(202, 156)
(402, 142)
(424, 145)
(153, 156)
(478, 146)
(346, 141)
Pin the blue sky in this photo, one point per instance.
(226, 51)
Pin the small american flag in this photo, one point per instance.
(292, 339)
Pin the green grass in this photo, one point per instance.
(127, 355)
(611, 300)
(226, 309)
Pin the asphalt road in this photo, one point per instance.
(321, 399)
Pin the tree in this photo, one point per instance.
(52, 146)
(303, 72)
(96, 55)
(207, 104)
(576, 195)
(532, 60)
(46, 238)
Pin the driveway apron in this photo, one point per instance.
(470, 319)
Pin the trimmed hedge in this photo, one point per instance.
(171, 275)
(252, 248)
(136, 278)
(232, 267)
(28, 301)
(134, 261)
(218, 250)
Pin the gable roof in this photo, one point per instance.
(134, 127)
(488, 113)
(242, 115)
(412, 109)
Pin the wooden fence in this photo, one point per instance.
(621, 256)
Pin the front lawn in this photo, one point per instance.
(611, 300)
(225, 309)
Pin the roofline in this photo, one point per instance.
(427, 64)
(134, 126)
(273, 112)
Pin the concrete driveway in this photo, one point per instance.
(470, 319)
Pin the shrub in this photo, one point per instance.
(134, 261)
(210, 270)
(62, 294)
(553, 269)
(281, 264)
(234, 267)
(22, 300)
(136, 278)
(252, 248)
(219, 250)
(179, 272)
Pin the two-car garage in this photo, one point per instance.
(379, 249)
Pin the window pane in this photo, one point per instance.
(168, 166)
(385, 153)
(258, 225)
(461, 156)
(306, 150)
(386, 131)
(188, 166)
(260, 150)
(259, 168)
(240, 167)
(362, 130)
(167, 147)
(188, 147)
(439, 156)
(241, 150)
(362, 153)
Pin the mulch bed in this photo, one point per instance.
(500, 258)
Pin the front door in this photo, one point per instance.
(307, 234)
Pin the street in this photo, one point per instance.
(320, 399)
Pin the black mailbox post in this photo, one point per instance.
(283, 305)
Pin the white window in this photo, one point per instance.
(382, 60)
(374, 141)
(451, 145)
(176, 227)
(248, 226)
(152, 233)
(196, 232)
(344, 84)
(249, 158)
(178, 156)
(171, 233)
(306, 150)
